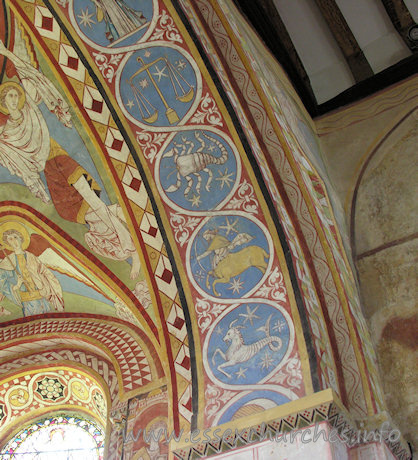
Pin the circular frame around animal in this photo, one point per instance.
(267, 332)
(229, 256)
(197, 170)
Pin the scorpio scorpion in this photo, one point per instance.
(193, 162)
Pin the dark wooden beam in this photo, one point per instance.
(356, 60)
(403, 22)
(264, 17)
(267, 31)
(279, 31)
(398, 72)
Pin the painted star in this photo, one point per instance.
(266, 361)
(147, 54)
(159, 73)
(180, 64)
(144, 83)
(250, 315)
(200, 276)
(195, 200)
(225, 178)
(219, 330)
(130, 104)
(236, 285)
(241, 373)
(86, 18)
(211, 148)
(229, 227)
(280, 325)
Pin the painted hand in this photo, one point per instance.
(19, 283)
(3, 49)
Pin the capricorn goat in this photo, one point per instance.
(238, 351)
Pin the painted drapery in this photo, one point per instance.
(154, 205)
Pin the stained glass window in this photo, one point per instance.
(57, 438)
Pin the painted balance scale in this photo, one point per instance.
(184, 91)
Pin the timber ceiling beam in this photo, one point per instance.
(403, 22)
(279, 31)
(265, 18)
(356, 60)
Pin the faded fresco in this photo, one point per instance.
(53, 171)
(385, 241)
(194, 158)
(138, 229)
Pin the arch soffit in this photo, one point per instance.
(68, 374)
(113, 341)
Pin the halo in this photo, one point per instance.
(14, 226)
(18, 88)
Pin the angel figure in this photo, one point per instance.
(24, 279)
(26, 149)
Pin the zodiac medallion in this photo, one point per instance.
(158, 86)
(113, 25)
(198, 170)
(248, 343)
(229, 256)
(253, 402)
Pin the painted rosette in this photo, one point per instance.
(113, 26)
(229, 256)
(158, 87)
(197, 170)
(247, 344)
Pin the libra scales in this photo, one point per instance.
(183, 91)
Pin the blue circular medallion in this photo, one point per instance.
(247, 344)
(113, 23)
(229, 256)
(198, 170)
(158, 86)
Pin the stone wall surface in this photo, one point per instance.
(370, 151)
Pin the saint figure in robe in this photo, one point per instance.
(24, 279)
(26, 149)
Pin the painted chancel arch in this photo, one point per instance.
(143, 195)
(79, 269)
(32, 393)
(57, 261)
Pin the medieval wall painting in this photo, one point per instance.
(229, 256)
(56, 388)
(113, 26)
(29, 151)
(125, 145)
(45, 162)
(215, 218)
(245, 347)
(147, 412)
(270, 335)
(24, 279)
(38, 278)
(158, 86)
(198, 170)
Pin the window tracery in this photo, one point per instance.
(58, 437)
